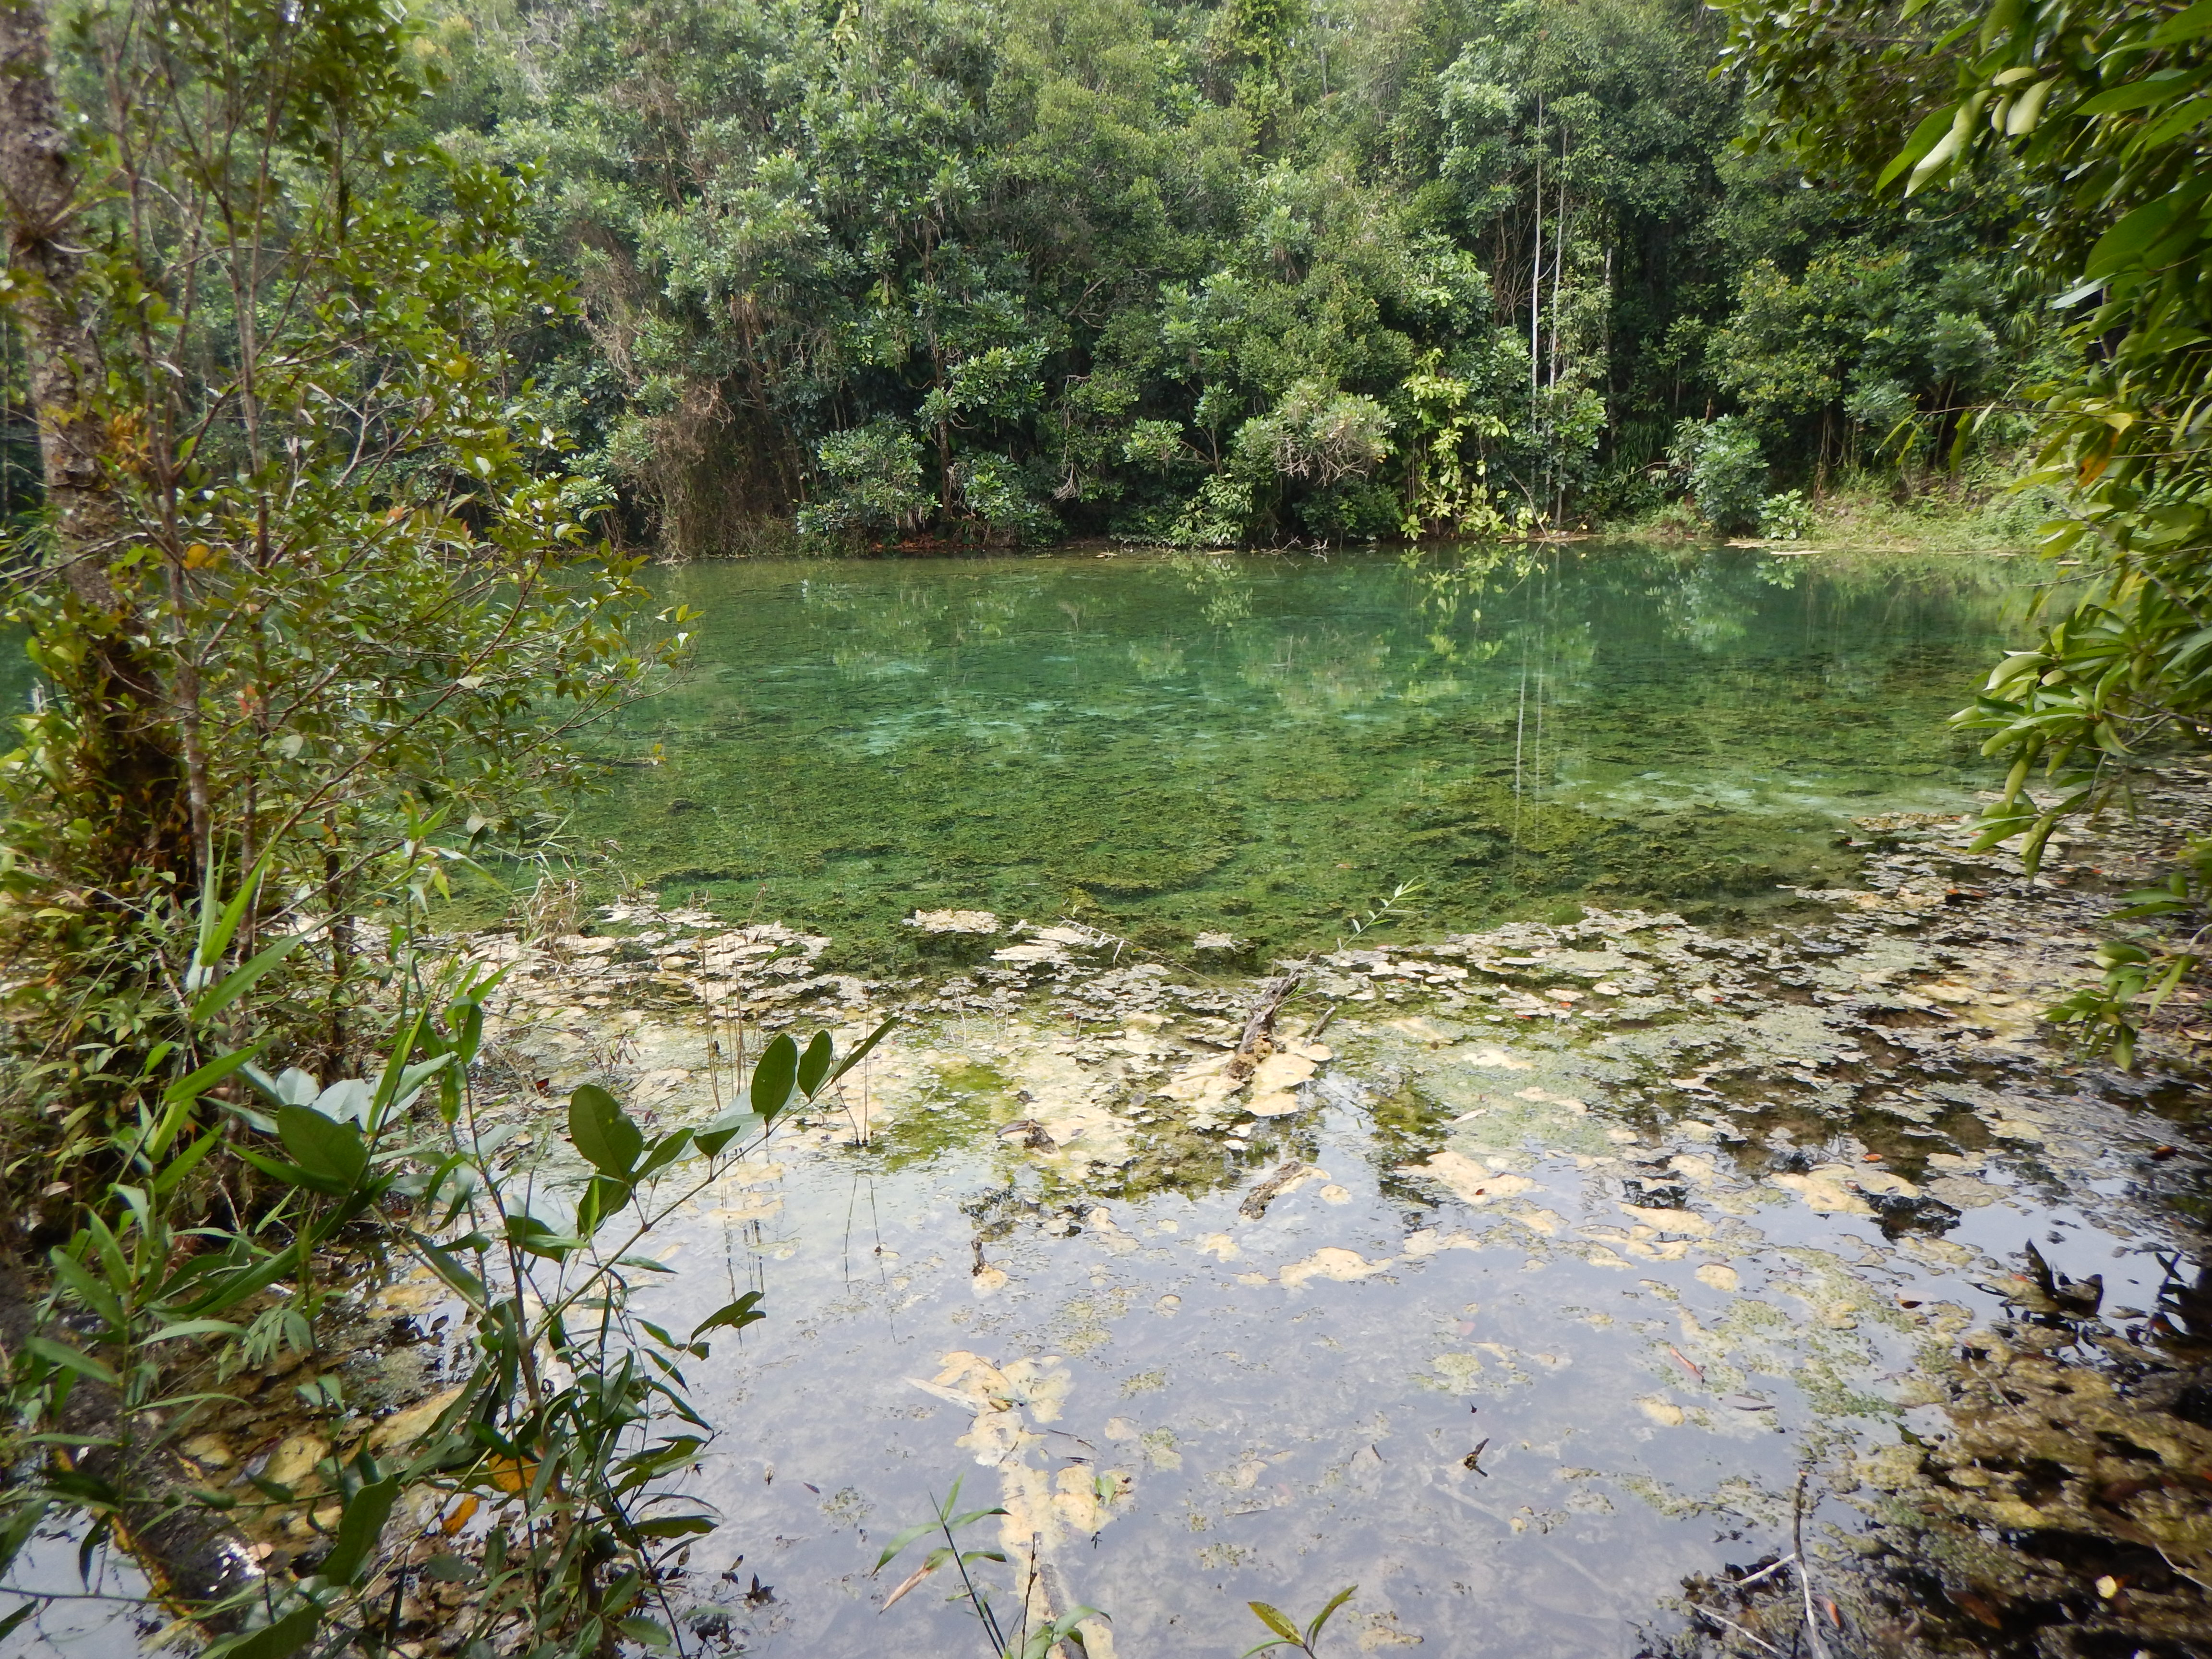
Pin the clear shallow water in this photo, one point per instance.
(866, 738)
(1269, 744)
(1287, 1404)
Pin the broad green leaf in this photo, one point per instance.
(2027, 109)
(349, 1100)
(608, 1139)
(665, 1152)
(1923, 139)
(2193, 24)
(603, 1200)
(2133, 95)
(291, 1174)
(1946, 148)
(2135, 233)
(359, 1528)
(773, 1076)
(528, 1233)
(333, 1150)
(736, 1124)
(814, 1064)
(465, 1019)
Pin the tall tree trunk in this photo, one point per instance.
(126, 759)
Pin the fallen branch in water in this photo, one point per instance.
(1707, 1612)
(1261, 1022)
(1805, 1578)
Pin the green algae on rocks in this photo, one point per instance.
(1677, 1211)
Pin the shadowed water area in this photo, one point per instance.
(1164, 746)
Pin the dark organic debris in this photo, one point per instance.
(1257, 1200)
(1900, 1215)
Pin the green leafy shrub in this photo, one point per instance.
(872, 482)
(1787, 517)
(1720, 462)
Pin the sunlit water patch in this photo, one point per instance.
(1162, 746)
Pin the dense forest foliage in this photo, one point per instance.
(1257, 272)
(1254, 272)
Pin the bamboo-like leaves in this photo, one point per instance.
(745, 1311)
(360, 1527)
(1285, 1633)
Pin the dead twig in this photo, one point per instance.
(1805, 1578)
(1257, 1200)
(1707, 1612)
(1766, 1571)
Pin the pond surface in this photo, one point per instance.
(1594, 1236)
(1162, 746)
(1557, 1249)
(1556, 1308)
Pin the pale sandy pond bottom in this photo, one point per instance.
(1632, 1248)
(1283, 1439)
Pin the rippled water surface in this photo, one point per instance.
(1161, 744)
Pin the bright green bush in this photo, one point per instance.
(1719, 461)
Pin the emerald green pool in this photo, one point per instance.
(1269, 746)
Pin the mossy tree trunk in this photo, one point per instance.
(124, 767)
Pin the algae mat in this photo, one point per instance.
(1163, 745)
